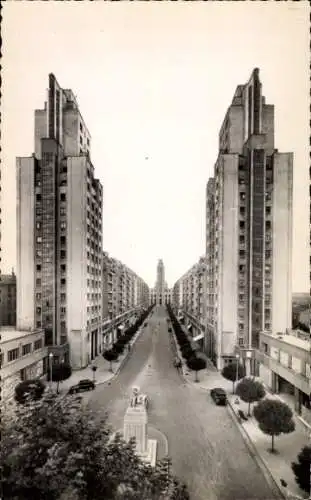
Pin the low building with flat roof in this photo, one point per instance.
(23, 357)
(285, 368)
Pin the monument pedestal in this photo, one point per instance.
(136, 425)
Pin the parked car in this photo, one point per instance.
(219, 396)
(83, 385)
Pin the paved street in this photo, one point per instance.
(207, 450)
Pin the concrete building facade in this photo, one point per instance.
(189, 301)
(23, 357)
(124, 296)
(7, 299)
(248, 230)
(59, 233)
(285, 367)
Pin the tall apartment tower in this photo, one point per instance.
(249, 229)
(59, 233)
(160, 283)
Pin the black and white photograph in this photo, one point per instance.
(155, 295)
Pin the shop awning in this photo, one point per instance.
(198, 337)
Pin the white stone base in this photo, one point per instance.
(150, 456)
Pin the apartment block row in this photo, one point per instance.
(247, 267)
(189, 294)
(124, 296)
(63, 275)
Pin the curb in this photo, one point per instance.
(153, 430)
(181, 372)
(116, 373)
(254, 453)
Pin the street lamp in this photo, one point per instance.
(237, 357)
(50, 367)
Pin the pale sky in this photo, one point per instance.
(153, 80)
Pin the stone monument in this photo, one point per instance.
(136, 425)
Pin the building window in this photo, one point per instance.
(268, 210)
(63, 254)
(63, 268)
(38, 267)
(264, 347)
(38, 197)
(63, 225)
(62, 196)
(38, 296)
(81, 139)
(241, 341)
(13, 354)
(63, 281)
(81, 127)
(38, 310)
(38, 282)
(63, 240)
(26, 349)
(38, 324)
(38, 225)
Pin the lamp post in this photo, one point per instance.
(248, 366)
(237, 357)
(51, 367)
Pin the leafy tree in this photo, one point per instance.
(250, 390)
(58, 449)
(110, 355)
(119, 348)
(29, 390)
(187, 352)
(233, 372)
(196, 364)
(274, 418)
(60, 372)
(301, 469)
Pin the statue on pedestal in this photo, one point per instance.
(134, 399)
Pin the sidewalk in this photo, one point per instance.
(277, 466)
(103, 373)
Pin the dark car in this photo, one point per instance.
(219, 396)
(83, 385)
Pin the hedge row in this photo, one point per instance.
(119, 346)
(194, 362)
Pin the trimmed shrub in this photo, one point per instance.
(29, 390)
